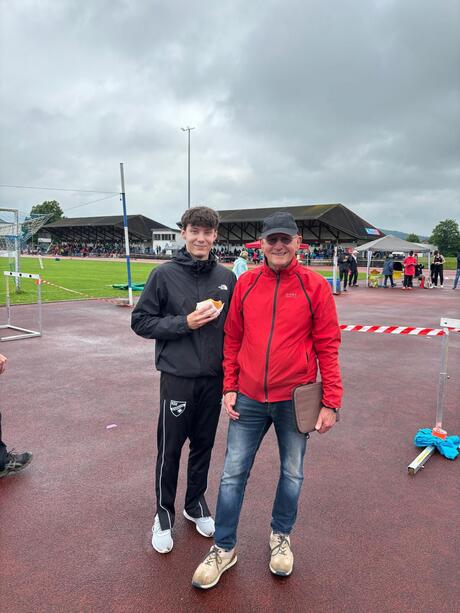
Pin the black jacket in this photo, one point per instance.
(353, 264)
(171, 293)
(344, 264)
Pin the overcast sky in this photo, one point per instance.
(294, 102)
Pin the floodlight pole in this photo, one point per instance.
(125, 224)
(188, 129)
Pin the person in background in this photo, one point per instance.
(388, 270)
(241, 264)
(353, 263)
(438, 269)
(10, 462)
(457, 274)
(409, 270)
(344, 269)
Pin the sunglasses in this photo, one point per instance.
(286, 240)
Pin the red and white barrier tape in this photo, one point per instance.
(410, 331)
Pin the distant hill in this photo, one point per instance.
(403, 235)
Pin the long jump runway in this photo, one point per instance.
(75, 526)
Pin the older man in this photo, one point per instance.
(281, 324)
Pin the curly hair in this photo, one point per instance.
(201, 216)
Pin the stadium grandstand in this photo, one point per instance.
(318, 223)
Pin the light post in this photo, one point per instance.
(188, 129)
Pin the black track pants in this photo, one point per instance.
(189, 408)
(353, 278)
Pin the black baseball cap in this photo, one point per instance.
(279, 223)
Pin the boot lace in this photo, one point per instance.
(213, 557)
(282, 547)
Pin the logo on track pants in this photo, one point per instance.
(177, 407)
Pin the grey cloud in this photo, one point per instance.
(294, 102)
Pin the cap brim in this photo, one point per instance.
(288, 231)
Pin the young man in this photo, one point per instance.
(188, 353)
(10, 463)
(282, 323)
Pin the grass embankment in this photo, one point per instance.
(94, 278)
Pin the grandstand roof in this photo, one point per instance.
(104, 228)
(317, 223)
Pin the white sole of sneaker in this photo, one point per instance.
(190, 518)
(206, 587)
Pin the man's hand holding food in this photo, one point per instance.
(206, 311)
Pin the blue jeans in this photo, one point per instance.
(457, 277)
(244, 438)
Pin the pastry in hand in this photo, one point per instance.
(218, 305)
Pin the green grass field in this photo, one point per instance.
(93, 278)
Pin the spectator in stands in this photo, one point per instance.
(409, 264)
(10, 462)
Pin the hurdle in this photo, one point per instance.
(25, 332)
(438, 430)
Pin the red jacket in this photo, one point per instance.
(279, 328)
(409, 265)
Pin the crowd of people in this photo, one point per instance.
(410, 266)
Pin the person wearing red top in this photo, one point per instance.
(281, 326)
(409, 264)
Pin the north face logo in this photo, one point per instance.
(177, 407)
(223, 286)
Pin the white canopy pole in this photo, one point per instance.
(334, 271)
(428, 272)
(369, 256)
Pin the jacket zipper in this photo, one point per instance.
(270, 337)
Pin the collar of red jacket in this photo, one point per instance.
(289, 270)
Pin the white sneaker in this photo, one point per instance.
(441, 286)
(204, 525)
(161, 539)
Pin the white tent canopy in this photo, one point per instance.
(393, 243)
(390, 244)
